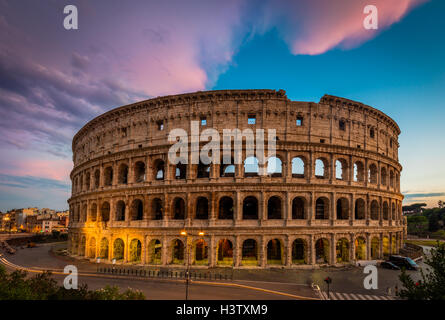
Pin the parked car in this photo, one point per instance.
(404, 262)
(389, 265)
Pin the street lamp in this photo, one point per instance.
(189, 244)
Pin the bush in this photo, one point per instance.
(15, 286)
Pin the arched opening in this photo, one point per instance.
(178, 209)
(274, 252)
(385, 245)
(87, 181)
(322, 251)
(322, 208)
(84, 213)
(108, 176)
(372, 174)
(274, 167)
(393, 211)
(139, 172)
(342, 250)
(137, 210)
(250, 208)
(105, 211)
(342, 209)
(159, 170)
(359, 171)
(96, 179)
(341, 169)
(123, 174)
(157, 212)
(93, 213)
(203, 170)
(135, 250)
(177, 252)
(181, 171)
(298, 211)
(103, 252)
(225, 208)
(385, 211)
(375, 208)
(92, 251)
(227, 169)
(375, 248)
(249, 253)
(299, 250)
(298, 167)
(201, 252)
(118, 249)
(120, 211)
(360, 248)
(202, 208)
(155, 252)
(82, 246)
(251, 167)
(321, 171)
(225, 252)
(391, 179)
(393, 245)
(384, 176)
(359, 209)
(274, 208)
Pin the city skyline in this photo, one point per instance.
(53, 81)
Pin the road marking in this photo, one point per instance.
(353, 296)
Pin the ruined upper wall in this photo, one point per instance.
(334, 120)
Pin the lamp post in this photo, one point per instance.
(188, 252)
(328, 280)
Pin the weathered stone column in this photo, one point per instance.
(263, 252)
(164, 252)
(368, 246)
(333, 258)
(236, 252)
(212, 252)
(288, 247)
(312, 255)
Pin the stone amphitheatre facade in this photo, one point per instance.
(332, 198)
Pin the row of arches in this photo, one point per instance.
(226, 209)
(274, 168)
(250, 251)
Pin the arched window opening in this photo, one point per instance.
(155, 252)
(227, 169)
(391, 179)
(342, 250)
(201, 252)
(177, 252)
(202, 208)
(108, 176)
(298, 168)
(224, 252)
(225, 208)
(120, 211)
(372, 173)
(87, 181)
(118, 249)
(393, 211)
(157, 209)
(181, 171)
(342, 209)
(320, 169)
(375, 248)
(375, 208)
(274, 167)
(299, 249)
(93, 213)
(360, 248)
(123, 174)
(135, 250)
(274, 252)
(137, 210)
(105, 211)
(385, 211)
(274, 208)
(384, 176)
(103, 251)
(249, 253)
(251, 167)
(322, 251)
(82, 248)
(341, 169)
(159, 170)
(298, 208)
(203, 170)
(179, 209)
(139, 172)
(250, 208)
(359, 209)
(358, 171)
(321, 208)
(96, 179)
(385, 246)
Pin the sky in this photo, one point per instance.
(53, 80)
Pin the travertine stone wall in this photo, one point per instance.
(303, 218)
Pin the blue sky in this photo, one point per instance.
(53, 81)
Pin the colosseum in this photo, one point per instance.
(331, 197)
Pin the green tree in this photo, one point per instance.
(432, 284)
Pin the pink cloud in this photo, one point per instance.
(314, 27)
